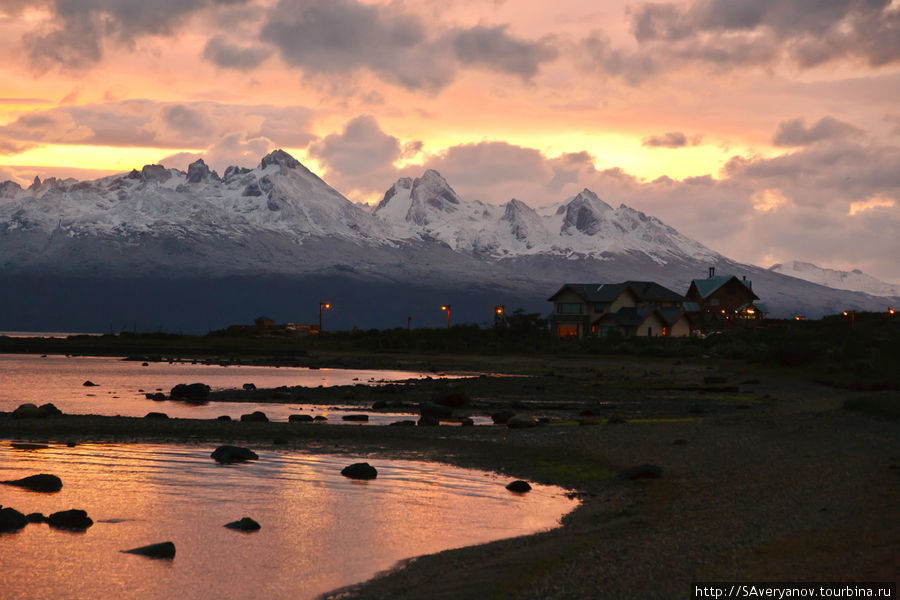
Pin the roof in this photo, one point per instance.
(263, 318)
(706, 287)
(647, 291)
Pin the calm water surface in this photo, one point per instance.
(320, 531)
(60, 379)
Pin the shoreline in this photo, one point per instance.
(769, 482)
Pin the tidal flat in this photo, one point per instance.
(763, 475)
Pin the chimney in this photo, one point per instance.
(712, 272)
(749, 284)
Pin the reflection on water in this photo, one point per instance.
(320, 531)
(60, 379)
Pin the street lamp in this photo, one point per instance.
(321, 306)
(447, 308)
(852, 315)
(499, 315)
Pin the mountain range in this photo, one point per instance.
(193, 250)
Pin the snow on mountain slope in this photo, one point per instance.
(582, 226)
(854, 280)
(280, 196)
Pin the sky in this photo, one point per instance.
(768, 130)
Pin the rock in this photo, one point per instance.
(36, 517)
(433, 409)
(518, 486)
(73, 520)
(157, 396)
(161, 550)
(89, 383)
(359, 418)
(145, 364)
(191, 392)
(223, 418)
(27, 411)
(28, 446)
(11, 520)
(360, 471)
(517, 422)
(198, 172)
(38, 483)
(300, 419)
(428, 421)
(249, 386)
(245, 524)
(233, 454)
(156, 415)
(320, 418)
(256, 416)
(467, 422)
(49, 410)
(404, 423)
(640, 472)
(501, 417)
(379, 404)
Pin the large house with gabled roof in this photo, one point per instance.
(641, 308)
(723, 298)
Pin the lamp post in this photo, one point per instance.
(499, 315)
(852, 315)
(447, 308)
(321, 306)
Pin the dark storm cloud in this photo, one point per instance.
(796, 133)
(326, 36)
(811, 32)
(671, 139)
(494, 48)
(342, 36)
(74, 36)
(222, 53)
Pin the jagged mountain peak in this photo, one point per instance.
(585, 213)
(281, 158)
(855, 280)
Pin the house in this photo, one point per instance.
(264, 322)
(720, 299)
(641, 308)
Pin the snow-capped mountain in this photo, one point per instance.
(195, 250)
(582, 226)
(854, 280)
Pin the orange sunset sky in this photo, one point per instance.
(768, 130)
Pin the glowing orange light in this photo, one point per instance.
(891, 311)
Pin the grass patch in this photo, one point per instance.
(881, 405)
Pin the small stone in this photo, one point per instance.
(256, 416)
(73, 520)
(223, 418)
(156, 415)
(38, 483)
(11, 520)
(300, 419)
(519, 487)
(36, 517)
(232, 454)
(359, 418)
(245, 524)
(89, 383)
(161, 550)
(28, 446)
(249, 386)
(360, 471)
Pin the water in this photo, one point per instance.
(59, 379)
(320, 531)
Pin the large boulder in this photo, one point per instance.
(257, 416)
(36, 517)
(156, 415)
(190, 392)
(360, 471)
(521, 422)
(300, 419)
(27, 411)
(245, 524)
(502, 416)
(161, 550)
(73, 519)
(11, 520)
(49, 410)
(233, 454)
(38, 483)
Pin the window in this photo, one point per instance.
(600, 307)
(569, 308)
(567, 331)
